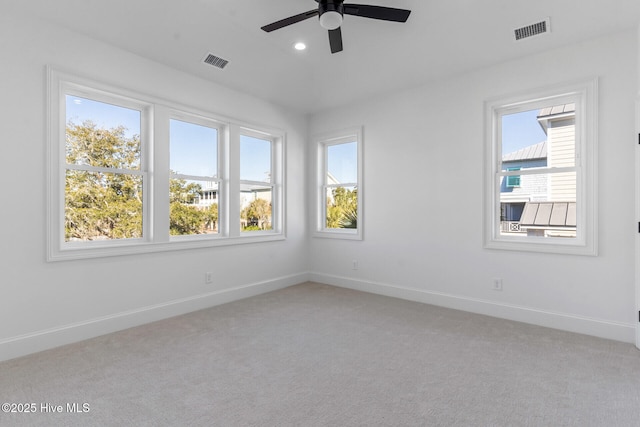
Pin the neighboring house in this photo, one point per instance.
(542, 204)
(208, 195)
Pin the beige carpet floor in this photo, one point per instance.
(316, 355)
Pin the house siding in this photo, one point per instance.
(562, 153)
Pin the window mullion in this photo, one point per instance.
(159, 171)
(99, 169)
(233, 194)
(537, 171)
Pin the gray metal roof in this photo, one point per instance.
(556, 110)
(536, 151)
(549, 214)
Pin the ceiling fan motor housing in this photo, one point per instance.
(334, 11)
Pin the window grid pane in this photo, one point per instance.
(102, 135)
(193, 149)
(256, 207)
(102, 206)
(341, 204)
(255, 159)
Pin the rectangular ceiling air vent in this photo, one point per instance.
(216, 61)
(541, 27)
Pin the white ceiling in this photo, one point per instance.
(441, 37)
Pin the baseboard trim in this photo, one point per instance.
(567, 322)
(54, 337)
(49, 338)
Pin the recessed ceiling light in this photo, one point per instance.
(299, 46)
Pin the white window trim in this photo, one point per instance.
(277, 201)
(585, 95)
(222, 178)
(322, 142)
(155, 170)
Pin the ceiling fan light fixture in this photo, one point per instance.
(330, 20)
(330, 14)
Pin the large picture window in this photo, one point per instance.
(340, 185)
(540, 171)
(128, 173)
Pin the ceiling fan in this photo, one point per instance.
(331, 13)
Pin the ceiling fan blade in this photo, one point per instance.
(290, 20)
(335, 40)
(377, 12)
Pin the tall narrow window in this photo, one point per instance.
(540, 183)
(340, 186)
(104, 179)
(194, 187)
(256, 183)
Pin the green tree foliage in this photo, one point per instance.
(108, 205)
(182, 192)
(185, 219)
(211, 217)
(184, 216)
(258, 211)
(342, 208)
(101, 205)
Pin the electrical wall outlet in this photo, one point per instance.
(208, 278)
(354, 264)
(497, 284)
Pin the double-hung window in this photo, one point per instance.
(128, 173)
(105, 159)
(257, 182)
(194, 179)
(540, 167)
(339, 185)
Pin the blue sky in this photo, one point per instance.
(342, 162)
(255, 159)
(521, 130)
(193, 148)
(104, 115)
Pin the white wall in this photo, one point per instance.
(423, 152)
(46, 304)
(423, 198)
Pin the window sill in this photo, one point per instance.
(339, 234)
(110, 249)
(548, 245)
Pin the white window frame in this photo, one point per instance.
(221, 179)
(322, 143)
(584, 94)
(275, 184)
(155, 162)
